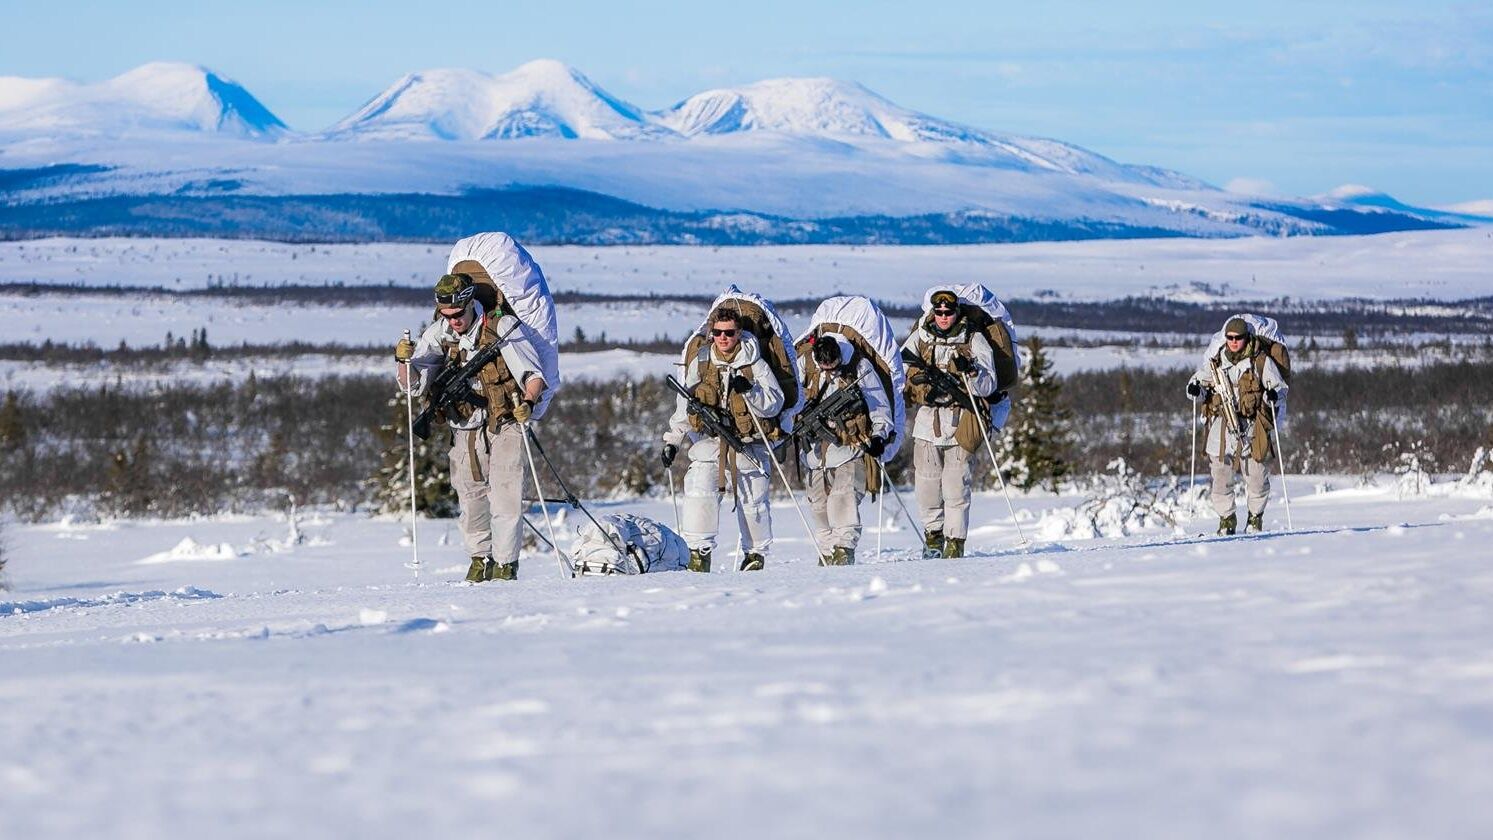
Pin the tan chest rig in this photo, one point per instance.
(714, 393)
(967, 424)
(1250, 390)
(498, 384)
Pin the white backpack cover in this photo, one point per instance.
(520, 280)
(865, 317)
(650, 547)
(733, 292)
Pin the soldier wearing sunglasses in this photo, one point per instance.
(487, 444)
(1239, 384)
(941, 466)
(727, 373)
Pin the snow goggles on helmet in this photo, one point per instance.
(454, 290)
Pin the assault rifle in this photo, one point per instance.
(716, 421)
(1230, 401)
(814, 424)
(941, 381)
(449, 389)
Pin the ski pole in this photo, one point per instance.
(523, 429)
(767, 444)
(880, 514)
(409, 428)
(1192, 432)
(1283, 491)
(911, 520)
(674, 500)
(994, 464)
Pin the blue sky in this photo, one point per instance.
(1288, 97)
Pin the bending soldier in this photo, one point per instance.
(727, 374)
(1240, 387)
(837, 471)
(944, 340)
(487, 445)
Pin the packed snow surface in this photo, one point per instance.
(1331, 682)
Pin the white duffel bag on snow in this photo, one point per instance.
(645, 546)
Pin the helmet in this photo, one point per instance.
(454, 290)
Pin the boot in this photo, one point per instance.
(953, 547)
(933, 544)
(1255, 524)
(477, 572)
(1227, 525)
(753, 562)
(826, 559)
(843, 556)
(502, 571)
(699, 560)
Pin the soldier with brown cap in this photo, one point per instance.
(1240, 387)
(487, 451)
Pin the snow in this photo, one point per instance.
(1443, 265)
(1334, 681)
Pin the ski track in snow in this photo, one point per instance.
(1333, 681)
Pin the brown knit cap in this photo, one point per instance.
(1237, 326)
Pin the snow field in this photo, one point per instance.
(1334, 682)
(1445, 265)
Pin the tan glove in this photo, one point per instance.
(404, 351)
(523, 410)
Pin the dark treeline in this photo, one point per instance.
(196, 449)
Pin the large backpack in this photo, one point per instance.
(501, 267)
(648, 546)
(860, 320)
(759, 318)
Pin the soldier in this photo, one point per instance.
(727, 373)
(487, 451)
(943, 339)
(836, 479)
(1240, 420)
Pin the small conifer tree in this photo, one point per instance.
(434, 495)
(1035, 447)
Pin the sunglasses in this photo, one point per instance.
(943, 310)
(457, 315)
(1235, 337)
(726, 333)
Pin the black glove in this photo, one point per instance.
(667, 456)
(1272, 396)
(740, 384)
(1194, 389)
(875, 446)
(963, 364)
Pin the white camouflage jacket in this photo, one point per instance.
(877, 406)
(981, 379)
(765, 399)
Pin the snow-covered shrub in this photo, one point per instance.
(1122, 501)
(1411, 476)
(1479, 478)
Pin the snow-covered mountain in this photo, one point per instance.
(160, 96)
(539, 99)
(159, 151)
(849, 112)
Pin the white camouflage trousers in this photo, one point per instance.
(1256, 484)
(835, 497)
(492, 494)
(702, 502)
(942, 484)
